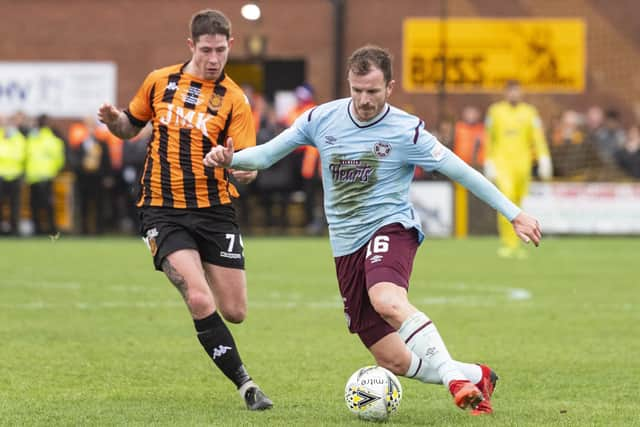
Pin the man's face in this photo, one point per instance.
(210, 53)
(369, 93)
(471, 115)
(595, 116)
(513, 94)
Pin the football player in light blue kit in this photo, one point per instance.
(369, 150)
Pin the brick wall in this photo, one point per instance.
(144, 34)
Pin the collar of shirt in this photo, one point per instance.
(368, 122)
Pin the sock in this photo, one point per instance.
(422, 338)
(217, 341)
(421, 371)
(243, 389)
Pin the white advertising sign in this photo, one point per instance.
(434, 203)
(58, 89)
(585, 208)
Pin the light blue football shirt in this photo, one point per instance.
(367, 168)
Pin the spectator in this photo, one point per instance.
(12, 163)
(274, 185)
(45, 159)
(134, 151)
(23, 123)
(91, 165)
(569, 153)
(445, 131)
(257, 103)
(114, 187)
(247, 190)
(310, 167)
(628, 157)
(305, 100)
(608, 138)
(594, 119)
(469, 138)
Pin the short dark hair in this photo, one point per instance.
(612, 114)
(511, 83)
(209, 21)
(367, 57)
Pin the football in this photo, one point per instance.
(373, 393)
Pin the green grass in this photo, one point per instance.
(91, 335)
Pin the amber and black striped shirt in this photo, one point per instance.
(189, 116)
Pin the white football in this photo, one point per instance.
(373, 393)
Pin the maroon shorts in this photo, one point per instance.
(387, 257)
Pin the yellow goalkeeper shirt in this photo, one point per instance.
(515, 136)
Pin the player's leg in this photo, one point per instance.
(230, 292)
(391, 353)
(229, 287)
(223, 263)
(388, 264)
(184, 269)
(417, 332)
(378, 335)
(388, 279)
(175, 252)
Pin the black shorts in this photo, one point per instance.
(213, 232)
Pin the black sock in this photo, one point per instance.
(218, 342)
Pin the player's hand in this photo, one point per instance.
(527, 228)
(108, 114)
(244, 177)
(220, 156)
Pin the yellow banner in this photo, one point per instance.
(480, 55)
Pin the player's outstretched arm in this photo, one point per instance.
(221, 157)
(117, 121)
(472, 180)
(253, 158)
(526, 227)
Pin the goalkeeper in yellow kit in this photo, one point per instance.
(515, 139)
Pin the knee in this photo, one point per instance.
(234, 314)
(200, 303)
(388, 309)
(396, 365)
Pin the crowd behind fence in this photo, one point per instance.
(98, 174)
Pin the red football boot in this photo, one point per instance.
(465, 394)
(486, 385)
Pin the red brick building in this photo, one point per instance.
(143, 34)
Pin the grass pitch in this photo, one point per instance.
(91, 335)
